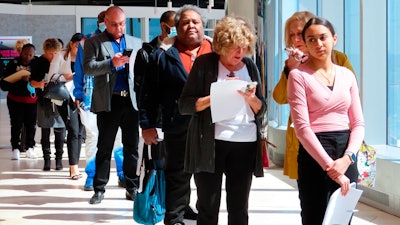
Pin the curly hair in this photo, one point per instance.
(233, 32)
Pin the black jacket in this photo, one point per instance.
(162, 86)
(18, 88)
(200, 145)
(141, 63)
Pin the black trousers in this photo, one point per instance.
(75, 130)
(59, 134)
(315, 186)
(177, 181)
(122, 115)
(236, 161)
(22, 115)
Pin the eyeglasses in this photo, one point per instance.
(231, 74)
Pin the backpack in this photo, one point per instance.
(149, 204)
(142, 62)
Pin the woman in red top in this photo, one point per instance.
(21, 104)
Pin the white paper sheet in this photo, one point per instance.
(340, 208)
(70, 87)
(225, 101)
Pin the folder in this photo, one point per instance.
(340, 208)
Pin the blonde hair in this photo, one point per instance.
(302, 16)
(234, 32)
(51, 44)
(19, 44)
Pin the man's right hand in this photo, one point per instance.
(78, 104)
(149, 136)
(119, 60)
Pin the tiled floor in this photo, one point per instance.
(30, 196)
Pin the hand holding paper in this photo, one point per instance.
(225, 100)
(340, 208)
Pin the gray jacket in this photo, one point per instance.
(98, 52)
(200, 144)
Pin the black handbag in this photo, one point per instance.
(56, 89)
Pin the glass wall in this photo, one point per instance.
(154, 28)
(89, 25)
(393, 68)
(352, 30)
(133, 26)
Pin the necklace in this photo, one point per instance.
(330, 78)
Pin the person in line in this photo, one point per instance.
(328, 120)
(47, 112)
(83, 90)
(21, 104)
(64, 64)
(232, 146)
(168, 29)
(113, 100)
(162, 85)
(297, 55)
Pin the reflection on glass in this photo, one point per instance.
(393, 69)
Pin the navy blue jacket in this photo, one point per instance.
(162, 86)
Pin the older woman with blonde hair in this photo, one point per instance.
(231, 146)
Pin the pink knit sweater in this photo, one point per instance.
(316, 108)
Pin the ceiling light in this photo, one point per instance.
(29, 7)
(169, 5)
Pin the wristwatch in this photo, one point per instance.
(352, 156)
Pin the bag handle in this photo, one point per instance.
(59, 75)
(51, 78)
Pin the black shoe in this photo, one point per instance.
(97, 197)
(59, 165)
(130, 195)
(190, 214)
(179, 223)
(46, 166)
(121, 183)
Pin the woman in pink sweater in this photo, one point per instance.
(328, 120)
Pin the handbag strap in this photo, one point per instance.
(59, 75)
(51, 78)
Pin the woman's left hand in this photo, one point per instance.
(202, 103)
(251, 98)
(344, 183)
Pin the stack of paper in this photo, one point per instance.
(340, 208)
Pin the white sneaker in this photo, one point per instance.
(15, 154)
(30, 153)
